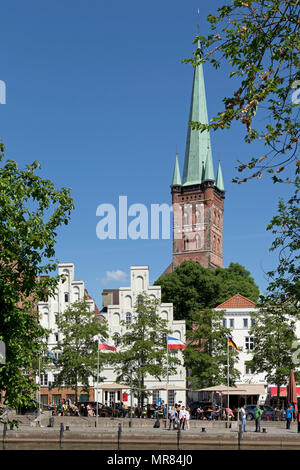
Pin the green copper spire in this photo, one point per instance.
(176, 175)
(219, 182)
(209, 174)
(198, 148)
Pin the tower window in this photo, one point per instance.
(186, 244)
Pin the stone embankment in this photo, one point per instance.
(81, 433)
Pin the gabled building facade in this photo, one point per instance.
(68, 292)
(122, 309)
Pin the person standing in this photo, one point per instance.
(173, 415)
(187, 418)
(288, 416)
(182, 417)
(243, 418)
(258, 413)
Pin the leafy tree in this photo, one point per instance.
(31, 210)
(236, 280)
(79, 328)
(260, 40)
(191, 287)
(274, 338)
(206, 353)
(142, 349)
(286, 226)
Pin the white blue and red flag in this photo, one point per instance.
(175, 343)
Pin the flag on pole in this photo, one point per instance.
(105, 347)
(232, 343)
(175, 343)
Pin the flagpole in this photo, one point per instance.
(228, 378)
(39, 414)
(167, 387)
(97, 413)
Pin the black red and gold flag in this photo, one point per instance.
(232, 343)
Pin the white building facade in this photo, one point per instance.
(237, 318)
(119, 306)
(68, 292)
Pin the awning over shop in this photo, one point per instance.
(243, 389)
(113, 386)
(283, 392)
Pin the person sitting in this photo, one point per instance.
(199, 412)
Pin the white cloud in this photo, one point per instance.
(115, 276)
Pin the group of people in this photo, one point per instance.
(179, 416)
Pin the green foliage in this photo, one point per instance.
(191, 287)
(274, 336)
(206, 353)
(260, 40)
(31, 210)
(79, 328)
(286, 226)
(142, 349)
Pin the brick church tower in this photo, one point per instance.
(197, 198)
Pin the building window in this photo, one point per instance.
(231, 323)
(186, 244)
(66, 297)
(44, 399)
(224, 323)
(155, 396)
(171, 397)
(44, 379)
(252, 322)
(245, 322)
(248, 370)
(56, 337)
(249, 344)
(55, 399)
(71, 397)
(128, 318)
(116, 339)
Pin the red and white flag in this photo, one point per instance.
(105, 347)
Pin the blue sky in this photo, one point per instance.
(97, 93)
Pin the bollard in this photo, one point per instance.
(178, 439)
(240, 435)
(203, 430)
(61, 433)
(67, 428)
(264, 430)
(119, 434)
(51, 423)
(129, 424)
(4, 430)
